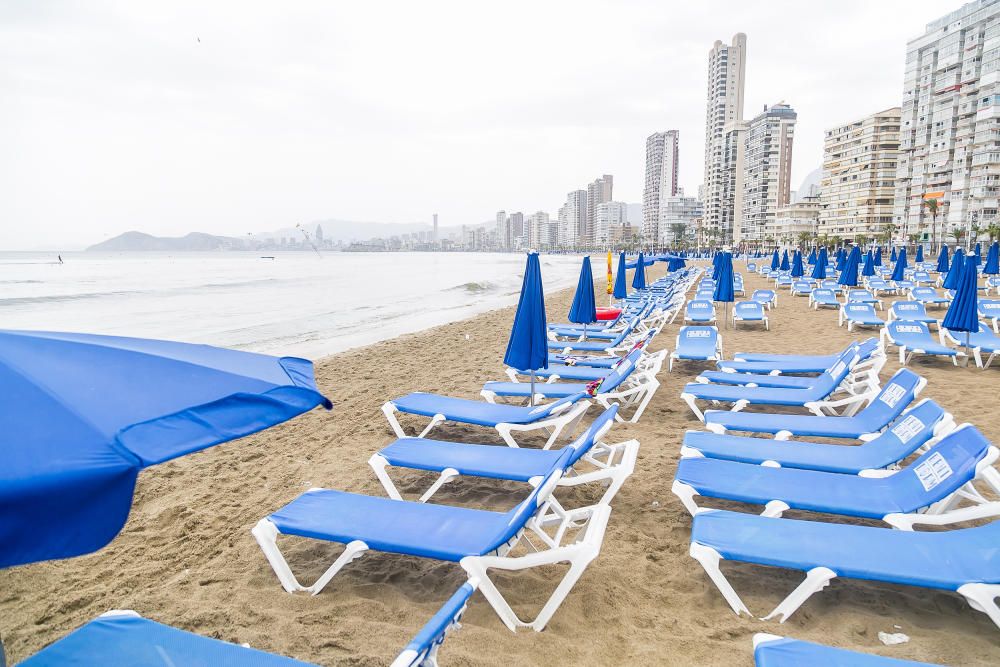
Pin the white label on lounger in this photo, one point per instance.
(989, 306)
(907, 429)
(892, 394)
(908, 328)
(697, 333)
(837, 369)
(858, 308)
(906, 306)
(699, 305)
(933, 471)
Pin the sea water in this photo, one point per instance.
(297, 303)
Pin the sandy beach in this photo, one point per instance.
(187, 558)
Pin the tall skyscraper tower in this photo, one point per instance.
(661, 179)
(726, 79)
(598, 192)
(434, 236)
(767, 171)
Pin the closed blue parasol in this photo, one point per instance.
(962, 314)
(83, 414)
(878, 256)
(892, 255)
(639, 279)
(978, 254)
(775, 260)
(724, 291)
(849, 276)
(812, 257)
(920, 254)
(528, 347)
(992, 266)
(797, 269)
(785, 266)
(955, 272)
(942, 262)
(583, 310)
(841, 259)
(898, 271)
(819, 271)
(621, 281)
(869, 267)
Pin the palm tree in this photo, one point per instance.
(932, 207)
(678, 229)
(993, 230)
(959, 234)
(861, 240)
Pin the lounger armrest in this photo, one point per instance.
(907, 521)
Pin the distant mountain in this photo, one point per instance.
(138, 241)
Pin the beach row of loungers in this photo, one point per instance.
(608, 363)
(898, 460)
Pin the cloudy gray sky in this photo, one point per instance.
(113, 116)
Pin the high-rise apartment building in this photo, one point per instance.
(434, 237)
(598, 192)
(515, 223)
(609, 216)
(502, 235)
(573, 218)
(661, 179)
(859, 176)
(949, 147)
(677, 219)
(727, 227)
(538, 230)
(767, 171)
(726, 79)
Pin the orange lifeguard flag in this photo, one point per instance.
(611, 278)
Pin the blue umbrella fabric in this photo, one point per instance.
(785, 266)
(992, 267)
(979, 254)
(898, 271)
(775, 261)
(724, 291)
(849, 276)
(942, 262)
(920, 254)
(797, 269)
(621, 281)
(841, 259)
(583, 310)
(639, 279)
(892, 256)
(715, 265)
(528, 347)
(878, 256)
(962, 314)
(812, 257)
(83, 414)
(869, 267)
(955, 272)
(819, 271)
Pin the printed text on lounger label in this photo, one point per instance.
(933, 471)
(907, 429)
(892, 394)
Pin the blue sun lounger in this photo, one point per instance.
(699, 311)
(606, 361)
(965, 560)
(915, 338)
(824, 297)
(750, 311)
(423, 648)
(695, 343)
(865, 371)
(928, 296)
(608, 464)
(752, 362)
(982, 342)
(990, 309)
(863, 296)
(858, 314)
(587, 368)
(478, 540)
(818, 397)
(765, 297)
(775, 651)
(506, 419)
(920, 277)
(911, 311)
(123, 637)
(935, 483)
(897, 395)
(801, 288)
(622, 340)
(910, 432)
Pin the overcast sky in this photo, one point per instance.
(113, 116)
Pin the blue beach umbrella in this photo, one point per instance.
(715, 265)
(962, 314)
(528, 347)
(819, 271)
(639, 279)
(797, 269)
(942, 262)
(812, 257)
(892, 256)
(83, 414)
(979, 254)
(920, 254)
(992, 267)
(955, 272)
(849, 276)
(869, 268)
(898, 271)
(841, 259)
(621, 281)
(724, 291)
(784, 261)
(775, 261)
(583, 310)
(878, 256)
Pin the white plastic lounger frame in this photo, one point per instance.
(590, 523)
(980, 596)
(562, 419)
(428, 656)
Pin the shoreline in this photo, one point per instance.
(186, 556)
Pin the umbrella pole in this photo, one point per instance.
(584, 331)
(531, 399)
(966, 349)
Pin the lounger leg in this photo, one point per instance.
(983, 597)
(389, 410)
(435, 420)
(378, 464)
(816, 580)
(266, 534)
(774, 508)
(709, 559)
(446, 476)
(686, 494)
(352, 552)
(740, 404)
(692, 403)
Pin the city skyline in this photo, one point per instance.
(232, 121)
